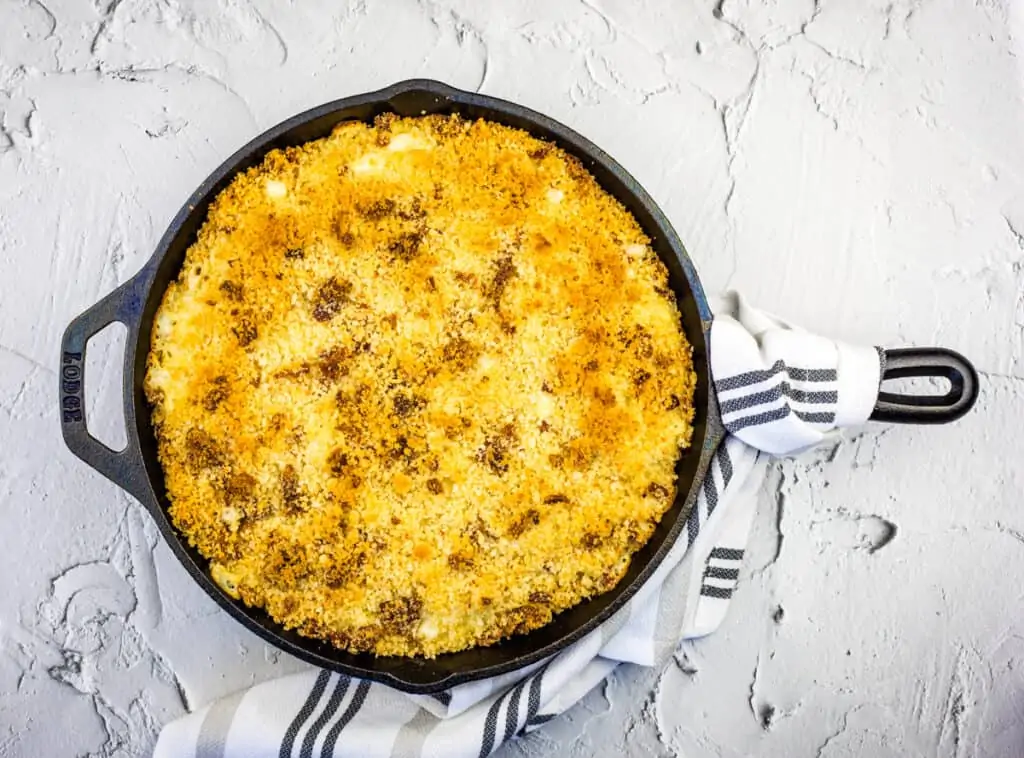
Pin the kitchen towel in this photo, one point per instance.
(781, 390)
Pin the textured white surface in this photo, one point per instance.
(855, 165)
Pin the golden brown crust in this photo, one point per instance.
(420, 385)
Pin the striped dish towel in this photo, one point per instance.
(781, 391)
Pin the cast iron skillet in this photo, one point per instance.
(137, 470)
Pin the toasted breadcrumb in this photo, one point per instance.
(419, 386)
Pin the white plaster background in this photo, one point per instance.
(855, 165)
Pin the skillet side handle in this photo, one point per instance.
(123, 467)
(934, 362)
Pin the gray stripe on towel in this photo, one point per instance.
(776, 393)
(303, 715)
(757, 419)
(726, 463)
(333, 703)
(710, 490)
(413, 735)
(444, 698)
(727, 554)
(673, 601)
(512, 715)
(709, 590)
(717, 572)
(796, 374)
(350, 713)
(213, 733)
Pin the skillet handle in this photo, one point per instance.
(123, 467)
(895, 408)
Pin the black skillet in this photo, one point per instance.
(137, 470)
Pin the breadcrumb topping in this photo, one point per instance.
(419, 386)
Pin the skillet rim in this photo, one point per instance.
(138, 471)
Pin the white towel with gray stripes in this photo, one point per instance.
(781, 391)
